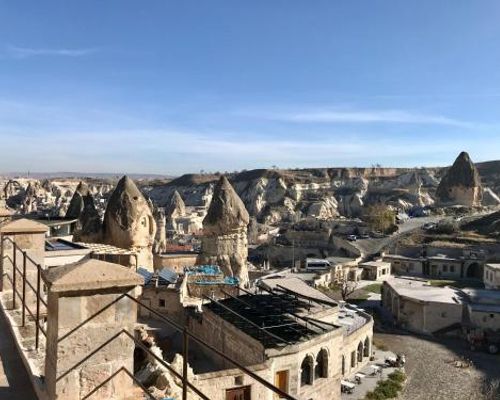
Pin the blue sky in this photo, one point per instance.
(172, 87)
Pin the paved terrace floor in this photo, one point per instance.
(14, 381)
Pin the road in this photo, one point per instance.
(369, 247)
(14, 381)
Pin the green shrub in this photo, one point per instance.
(389, 388)
(397, 376)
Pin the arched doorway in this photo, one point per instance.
(475, 271)
(321, 368)
(360, 352)
(366, 352)
(306, 374)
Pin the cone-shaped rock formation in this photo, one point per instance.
(129, 223)
(76, 205)
(224, 241)
(461, 185)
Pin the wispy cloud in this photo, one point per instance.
(336, 116)
(175, 151)
(26, 52)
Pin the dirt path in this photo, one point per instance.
(432, 376)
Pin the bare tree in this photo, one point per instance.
(347, 288)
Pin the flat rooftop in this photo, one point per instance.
(375, 264)
(272, 319)
(422, 291)
(493, 266)
(295, 285)
(401, 257)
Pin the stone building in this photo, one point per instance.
(376, 270)
(403, 265)
(129, 223)
(421, 308)
(492, 276)
(299, 339)
(441, 262)
(224, 240)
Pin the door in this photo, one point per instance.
(241, 393)
(281, 381)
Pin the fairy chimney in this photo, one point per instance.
(224, 240)
(76, 205)
(129, 223)
(461, 185)
(160, 243)
(175, 209)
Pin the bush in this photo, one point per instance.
(397, 376)
(389, 388)
(446, 227)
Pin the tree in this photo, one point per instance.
(344, 287)
(380, 218)
(347, 288)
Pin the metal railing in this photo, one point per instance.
(186, 336)
(21, 273)
(25, 283)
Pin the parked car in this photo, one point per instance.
(364, 236)
(352, 238)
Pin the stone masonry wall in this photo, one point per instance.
(65, 352)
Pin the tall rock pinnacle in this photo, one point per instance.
(461, 185)
(129, 223)
(224, 239)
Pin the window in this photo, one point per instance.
(360, 352)
(162, 303)
(445, 268)
(306, 375)
(367, 347)
(238, 380)
(321, 369)
(452, 268)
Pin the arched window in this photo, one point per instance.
(360, 352)
(321, 368)
(306, 374)
(367, 347)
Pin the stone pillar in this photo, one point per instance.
(86, 308)
(29, 236)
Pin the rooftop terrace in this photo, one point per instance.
(274, 319)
